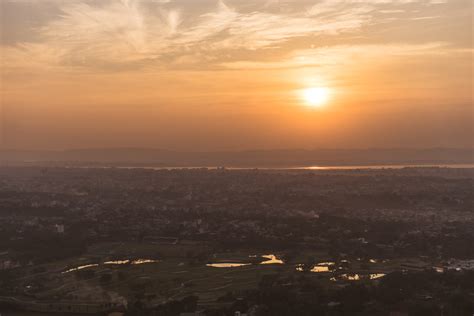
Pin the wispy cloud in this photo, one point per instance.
(342, 55)
(125, 33)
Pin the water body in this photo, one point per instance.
(317, 268)
(379, 167)
(227, 265)
(114, 262)
(270, 259)
(357, 277)
(81, 267)
(316, 167)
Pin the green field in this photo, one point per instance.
(179, 270)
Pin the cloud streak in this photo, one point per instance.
(127, 34)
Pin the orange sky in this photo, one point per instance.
(207, 75)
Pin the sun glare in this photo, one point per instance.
(317, 96)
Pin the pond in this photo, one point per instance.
(227, 265)
(317, 268)
(357, 277)
(113, 262)
(270, 259)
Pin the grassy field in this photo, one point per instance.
(179, 270)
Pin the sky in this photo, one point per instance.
(233, 74)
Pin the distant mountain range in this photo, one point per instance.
(250, 158)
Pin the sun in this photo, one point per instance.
(316, 96)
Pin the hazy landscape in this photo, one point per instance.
(248, 159)
(218, 241)
(236, 158)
